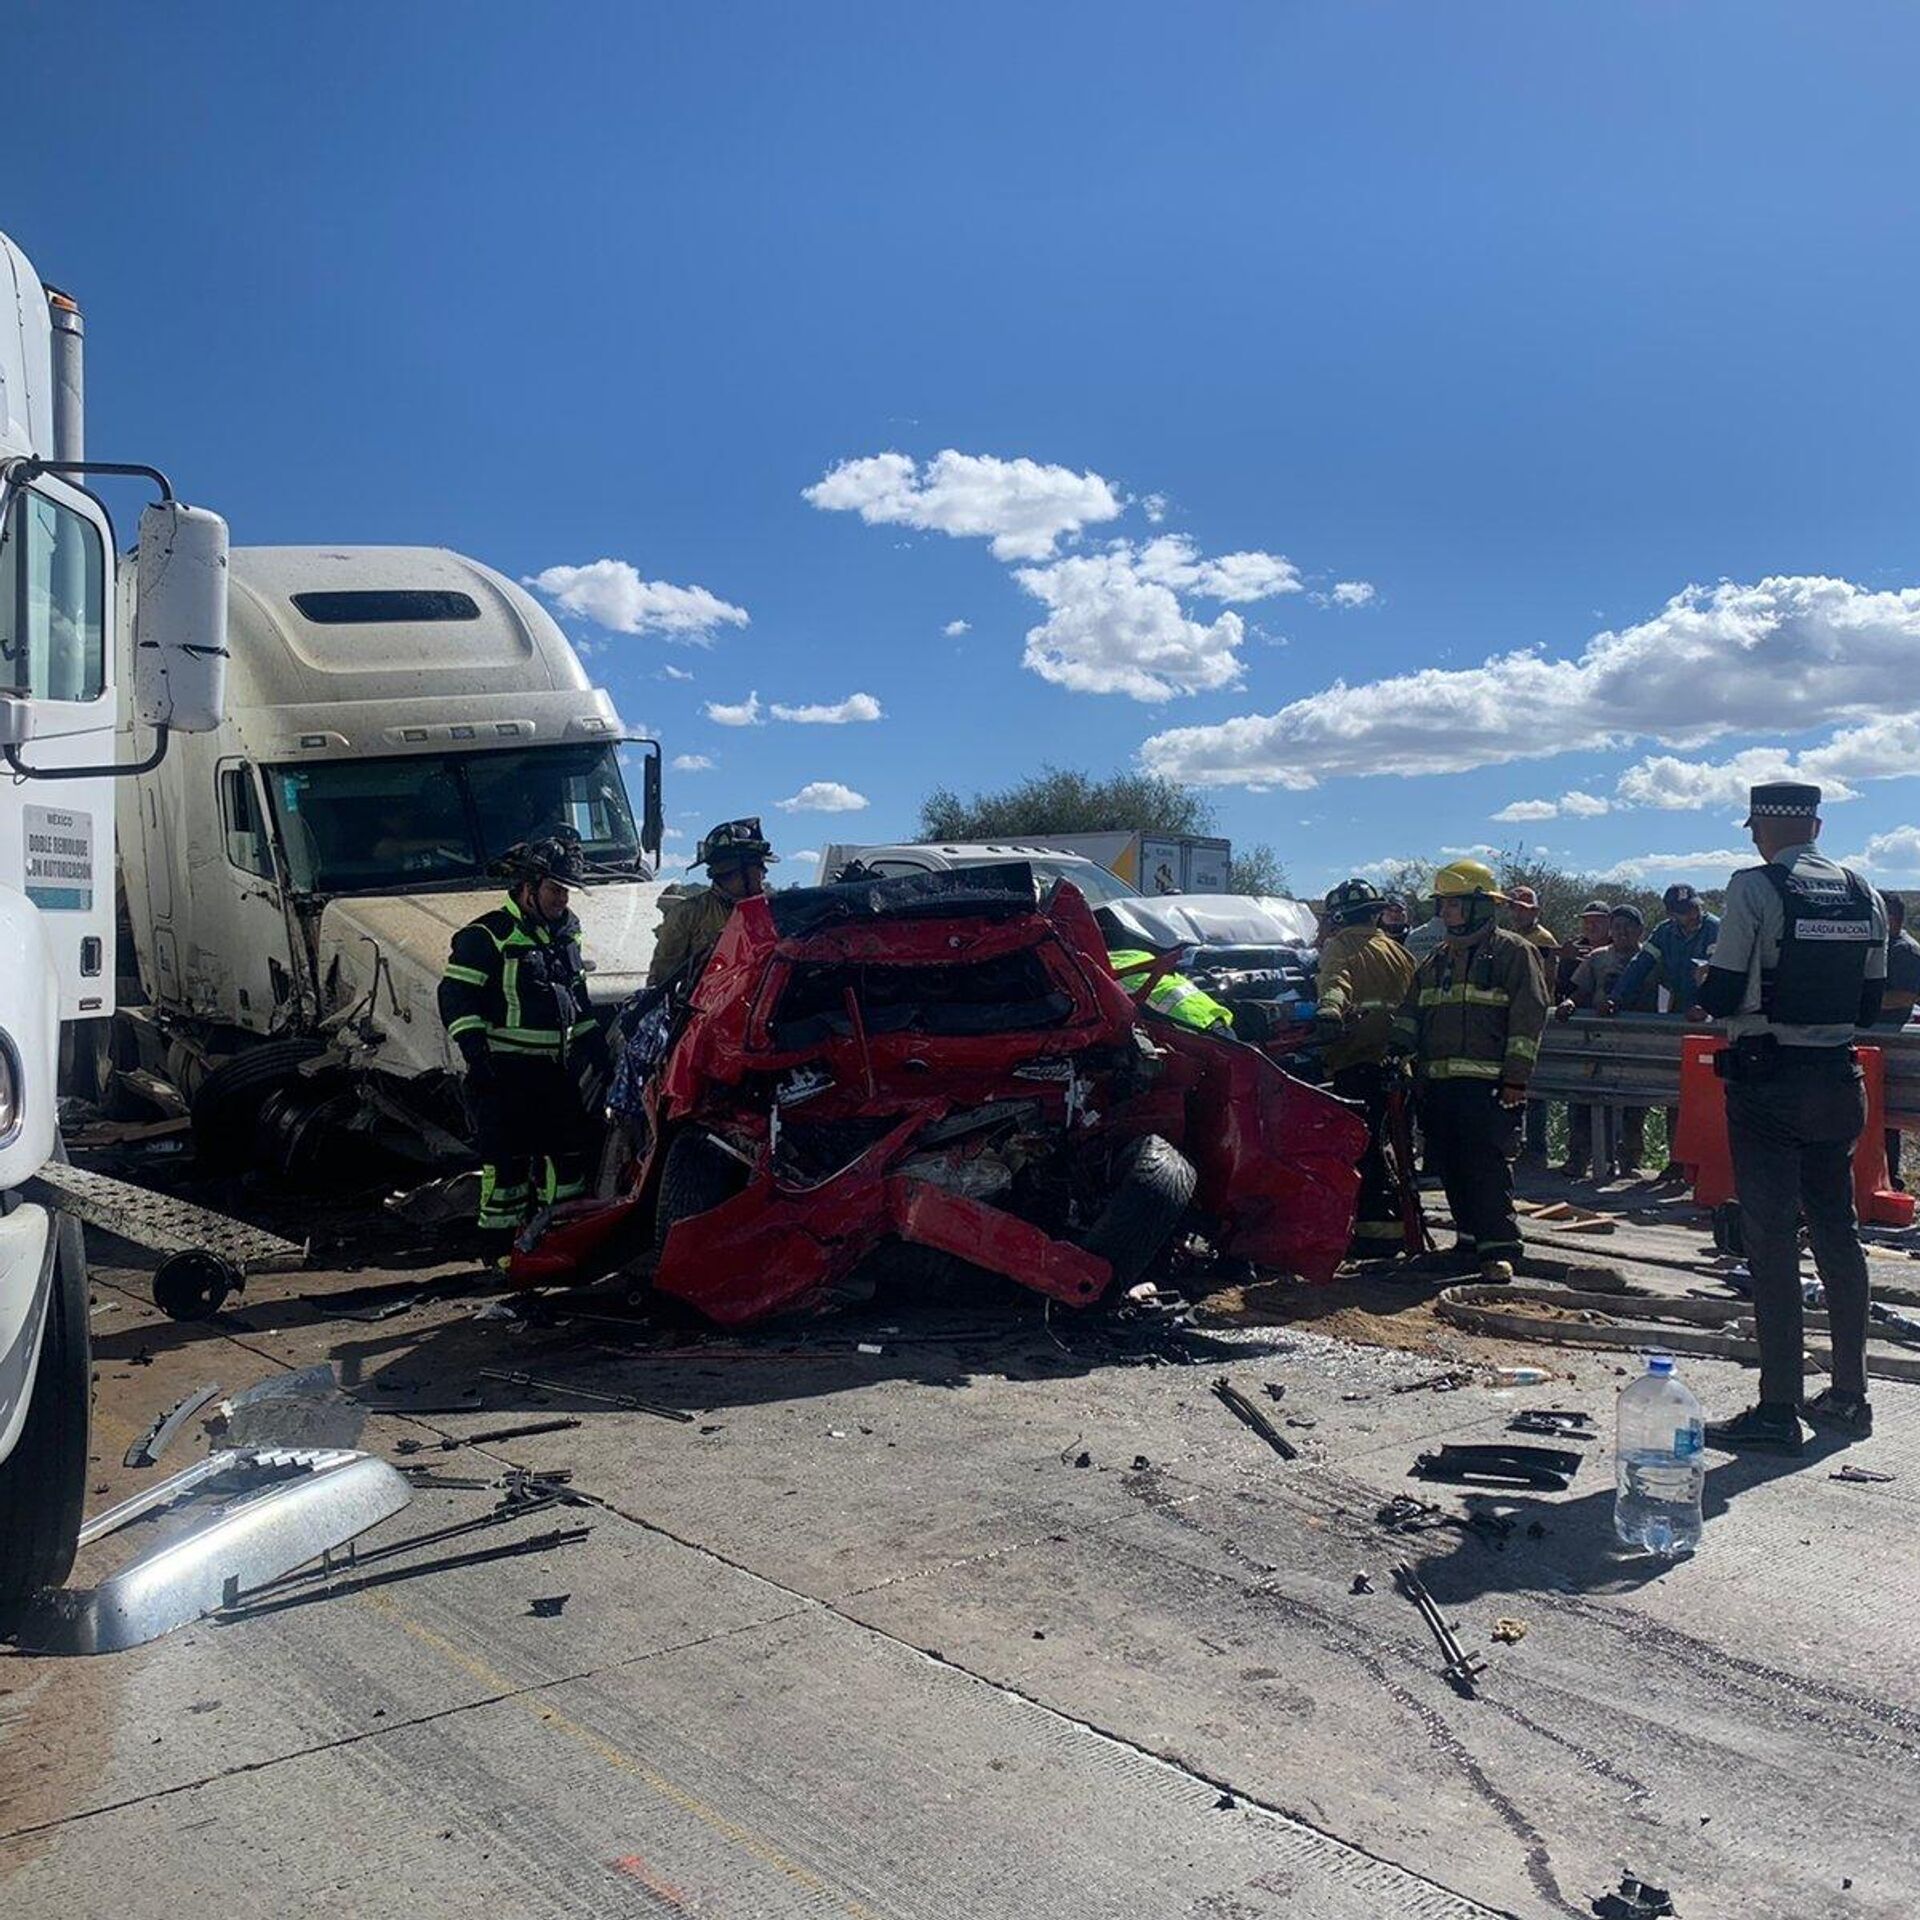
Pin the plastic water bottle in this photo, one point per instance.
(1661, 1473)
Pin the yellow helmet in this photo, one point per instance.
(1466, 877)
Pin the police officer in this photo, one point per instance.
(514, 1001)
(736, 855)
(1364, 976)
(1800, 963)
(1472, 1021)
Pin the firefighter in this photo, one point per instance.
(1364, 976)
(736, 855)
(1800, 963)
(1173, 994)
(1472, 1021)
(514, 1001)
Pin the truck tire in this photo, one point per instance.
(697, 1177)
(1153, 1184)
(43, 1482)
(226, 1104)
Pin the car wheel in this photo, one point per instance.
(226, 1105)
(696, 1178)
(43, 1482)
(1153, 1184)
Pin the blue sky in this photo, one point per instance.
(1519, 321)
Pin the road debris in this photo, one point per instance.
(1243, 1409)
(548, 1606)
(1509, 1631)
(1450, 1381)
(161, 1435)
(1404, 1514)
(244, 1541)
(1862, 1476)
(489, 1438)
(1635, 1901)
(1557, 1421)
(1461, 1666)
(1361, 1584)
(630, 1401)
(1541, 1469)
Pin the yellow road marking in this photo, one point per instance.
(543, 1710)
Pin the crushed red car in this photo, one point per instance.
(947, 1061)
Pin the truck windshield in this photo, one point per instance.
(420, 821)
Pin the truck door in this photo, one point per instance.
(252, 905)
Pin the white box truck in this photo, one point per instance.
(59, 687)
(398, 718)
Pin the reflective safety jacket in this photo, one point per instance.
(1476, 1010)
(1364, 976)
(517, 983)
(1173, 993)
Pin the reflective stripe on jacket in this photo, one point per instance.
(1476, 1010)
(1363, 977)
(1173, 993)
(519, 983)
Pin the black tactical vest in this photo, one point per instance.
(1824, 948)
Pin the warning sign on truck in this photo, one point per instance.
(60, 859)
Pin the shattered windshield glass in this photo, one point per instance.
(420, 821)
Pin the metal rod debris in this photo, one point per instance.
(1461, 1666)
(632, 1401)
(1239, 1405)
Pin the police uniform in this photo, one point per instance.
(1799, 964)
(1364, 976)
(514, 1001)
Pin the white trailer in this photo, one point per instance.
(58, 698)
(398, 718)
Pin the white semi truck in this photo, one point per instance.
(58, 700)
(398, 718)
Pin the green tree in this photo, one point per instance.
(1257, 869)
(1061, 800)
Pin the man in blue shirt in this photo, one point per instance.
(1679, 946)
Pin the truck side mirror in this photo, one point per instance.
(652, 812)
(180, 618)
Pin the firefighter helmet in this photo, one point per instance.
(555, 856)
(1354, 899)
(1466, 878)
(735, 843)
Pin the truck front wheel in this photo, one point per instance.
(43, 1482)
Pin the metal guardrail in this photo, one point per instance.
(1633, 1060)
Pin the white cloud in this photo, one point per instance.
(692, 763)
(1172, 560)
(1154, 506)
(612, 594)
(855, 707)
(673, 833)
(1022, 506)
(1891, 856)
(806, 857)
(1352, 593)
(746, 714)
(823, 796)
(1708, 869)
(1529, 810)
(1886, 748)
(671, 672)
(1109, 630)
(1584, 806)
(1788, 654)
(955, 628)
(1480, 851)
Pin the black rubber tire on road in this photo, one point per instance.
(1153, 1184)
(226, 1105)
(696, 1178)
(43, 1482)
